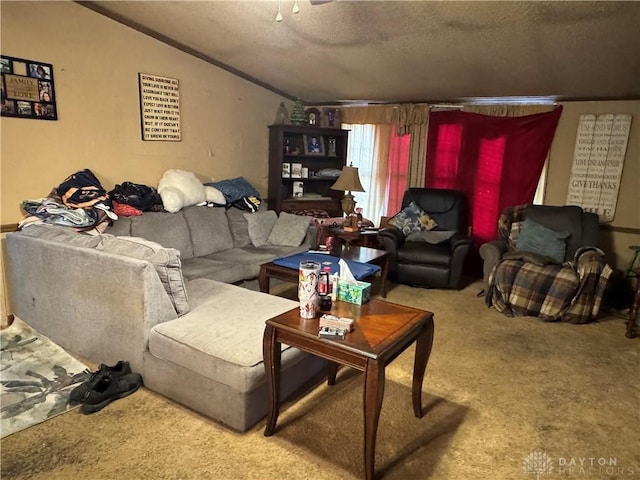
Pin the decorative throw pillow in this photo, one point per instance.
(539, 239)
(412, 219)
(289, 230)
(260, 225)
(165, 260)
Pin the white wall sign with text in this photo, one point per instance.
(159, 108)
(598, 158)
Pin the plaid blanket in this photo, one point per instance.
(523, 284)
(570, 292)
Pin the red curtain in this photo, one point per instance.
(397, 171)
(496, 161)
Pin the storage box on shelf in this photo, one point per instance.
(305, 156)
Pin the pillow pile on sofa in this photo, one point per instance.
(412, 219)
(267, 228)
(541, 240)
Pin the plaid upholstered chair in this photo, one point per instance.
(546, 264)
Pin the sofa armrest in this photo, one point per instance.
(392, 239)
(101, 309)
(311, 238)
(491, 253)
(460, 240)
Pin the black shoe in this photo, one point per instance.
(109, 389)
(119, 369)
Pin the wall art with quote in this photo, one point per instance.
(159, 108)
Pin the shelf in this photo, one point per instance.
(286, 138)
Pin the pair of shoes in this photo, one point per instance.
(119, 369)
(108, 389)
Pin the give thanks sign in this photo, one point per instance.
(598, 158)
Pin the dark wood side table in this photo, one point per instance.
(382, 331)
(361, 238)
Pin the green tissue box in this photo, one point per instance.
(357, 293)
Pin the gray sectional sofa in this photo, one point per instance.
(156, 290)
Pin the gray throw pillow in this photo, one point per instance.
(539, 239)
(260, 225)
(165, 260)
(289, 230)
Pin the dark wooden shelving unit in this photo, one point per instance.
(287, 146)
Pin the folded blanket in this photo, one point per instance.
(359, 270)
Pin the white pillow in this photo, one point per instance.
(289, 230)
(213, 195)
(260, 225)
(179, 189)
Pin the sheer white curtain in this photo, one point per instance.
(368, 150)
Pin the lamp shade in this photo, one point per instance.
(349, 180)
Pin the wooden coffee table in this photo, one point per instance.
(382, 331)
(358, 254)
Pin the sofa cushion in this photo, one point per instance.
(59, 234)
(239, 227)
(222, 337)
(168, 229)
(539, 239)
(209, 230)
(165, 260)
(412, 219)
(120, 227)
(289, 230)
(260, 225)
(220, 269)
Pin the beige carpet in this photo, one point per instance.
(506, 398)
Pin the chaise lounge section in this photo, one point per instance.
(194, 338)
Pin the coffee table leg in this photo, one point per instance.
(263, 280)
(424, 343)
(272, 354)
(383, 277)
(332, 371)
(373, 394)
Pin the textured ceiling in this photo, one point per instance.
(407, 51)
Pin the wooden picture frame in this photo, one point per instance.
(313, 145)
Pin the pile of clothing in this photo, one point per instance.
(81, 202)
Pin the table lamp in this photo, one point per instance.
(348, 181)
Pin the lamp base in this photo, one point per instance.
(348, 204)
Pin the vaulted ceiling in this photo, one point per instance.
(406, 51)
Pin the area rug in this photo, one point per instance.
(36, 378)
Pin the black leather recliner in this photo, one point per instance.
(426, 264)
